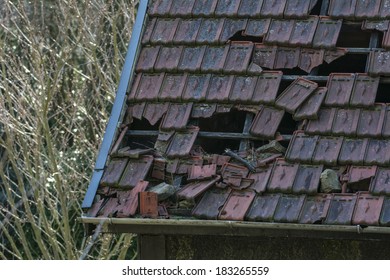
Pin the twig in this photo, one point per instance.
(98, 230)
(247, 163)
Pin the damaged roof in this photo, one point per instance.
(260, 111)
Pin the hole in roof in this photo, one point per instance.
(349, 63)
(144, 124)
(238, 36)
(217, 146)
(352, 36)
(288, 125)
(382, 95)
(316, 11)
(294, 71)
(225, 122)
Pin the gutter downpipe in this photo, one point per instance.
(117, 108)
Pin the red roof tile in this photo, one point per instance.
(303, 31)
(237, 60)
(287, 58)
(195, 189)
(385, 215)
(260, 177)
(301, 147)
(211, 203)
(384, 10)
(160, 8)
(327, 33)
(219, 89)
(136, 170)
(187, 31)
(346, 122)
(182, 143)
(315, 209)
(214, 59)
(113, 172)
(341, 209)
(181, 8)
(147, 59)
(381, 182)
(168, 59)
(263, 208)
(322, 125)
(298, 8)
(267, 87)
(309, 109)
(282, 176)
(204, 7)
(176, 117)
(257, 27)
(378, 152)
(172, 87)
(379, 63)
(154, 112)
(273, 8)
(148, 205)
(353, 151)
(250, 8)
(380, 25)
(129, 204)
(191, 59)
(237, 205)
(264, 56)
(266, 122)
(210, 31)
(364, 90)
(340, 87)
(367, 9)
(371, 121)
(279, 32)
(307, 179)
(164, 31)
(146, 86)
(310, 59)
(196, 87)
(243, 89)
(367, 210)
(327, 150)
(342, 9)
(289, 208)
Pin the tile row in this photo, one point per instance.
(207, 87)
(359, 9)
(336, 209)
(236, 57)
(315, 31)
(333, 151)
(232, 8)
(361, 123)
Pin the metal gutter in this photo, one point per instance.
(117, 108)
(236, 228)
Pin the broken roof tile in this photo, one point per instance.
(358, 178)
(379, 62)
(243, 89)
(187, 31)
(231, 27)
(310, 58)
(342, 9)
(346, 122)
(341, 209)
(229, 169)
(267, 87)
(196, 87)
(380, 25)
(154, 112)
(315, 209)
(340, 87)
(257, 27)
(219, 88)
(250, 8)
(176, 117)
(238, 58)
(113, 172)
(289, 208)
(181, 8)
(368, 210)
(214, 58)
(148, 31)
(147, 58)
(211, 203)
(263, 208)
(307, 179)
(237, 205)
(203, 110)
(204, 7)
(282, 176)
(371, 121)
(163, 140)
(158, 171)
(327, 33)
(146, 86)
(182, 142)
(384, 11)
(265, 56)
(297, 8)
(309, 109)
(287, 58)
(266, 122)
(385, 215)
(327, 150)
(160, 8)
(210, 31)
(260, 177)
(332, 55)
(279, 32)
(128, 204)
(164, 31)
(353, 151)
(303, 31)
(273, 8)
(380, 184)
(195, 189)
(364, 90)
(148, 205)
(202, 172)
(322, 125)
(367, 9)
(168, 58)
(227, 8)
(172, 87)
(295, 94)
(138, 110)
(378, 152)
(136, 170)
(301, 147)
(191, 59)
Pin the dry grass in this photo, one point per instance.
(60, 64)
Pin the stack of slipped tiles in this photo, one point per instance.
(202, 58)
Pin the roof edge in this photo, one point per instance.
(237, 228)
(117, 108)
